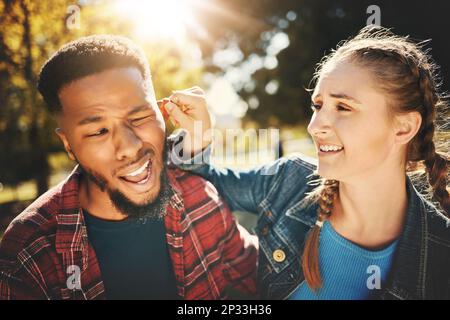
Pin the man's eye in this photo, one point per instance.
(139, 121)
(98, 133)
(315, 107)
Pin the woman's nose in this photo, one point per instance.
(320, 124)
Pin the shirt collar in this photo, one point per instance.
(71, 233)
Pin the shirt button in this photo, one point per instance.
(279, 255)
(265, 231)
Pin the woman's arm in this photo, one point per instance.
(243, 190)
(191, 150)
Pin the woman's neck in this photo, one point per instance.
(371, 212)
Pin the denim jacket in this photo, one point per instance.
(276, 192)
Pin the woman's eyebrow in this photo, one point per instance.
(337, 96)
(344, 96)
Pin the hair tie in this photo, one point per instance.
(319, 223)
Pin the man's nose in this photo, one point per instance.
(127, 143)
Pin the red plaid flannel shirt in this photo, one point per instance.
(208, 249)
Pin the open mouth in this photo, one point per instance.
(139, 176)
(329, 149)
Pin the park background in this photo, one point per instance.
(254, 58)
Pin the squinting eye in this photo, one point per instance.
(342, 108)
(139, 121)
(99, 133)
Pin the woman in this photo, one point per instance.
(364, 232)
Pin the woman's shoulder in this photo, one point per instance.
(292, 178)
(438, 225)
(289, 174)
(437, 222)
(294, 164)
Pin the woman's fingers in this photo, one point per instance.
(188, 98)
(161, 106)
(177, 116)
(188, 110)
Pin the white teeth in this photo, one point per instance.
(327, 148)
(138, 171)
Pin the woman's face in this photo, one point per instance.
(351, 126)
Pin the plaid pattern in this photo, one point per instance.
(208, 249)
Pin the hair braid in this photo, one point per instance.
(435, 163)
(310, 257)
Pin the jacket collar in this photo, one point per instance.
(407, 278)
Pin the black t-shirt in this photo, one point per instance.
(133, 257)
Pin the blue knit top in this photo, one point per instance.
(348, 271)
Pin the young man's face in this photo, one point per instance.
(111, 125)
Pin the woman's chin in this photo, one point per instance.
(327, 173)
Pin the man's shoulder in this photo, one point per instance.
(193, 186)
(37, 221)
(203, 206)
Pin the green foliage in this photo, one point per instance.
(30, 32)
(319, 25)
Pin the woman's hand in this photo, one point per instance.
(187, 109)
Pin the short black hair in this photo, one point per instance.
(86, 56)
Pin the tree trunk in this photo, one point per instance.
(39, 149)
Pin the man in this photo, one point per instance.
(123, 225)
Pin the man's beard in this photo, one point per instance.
(153, 209)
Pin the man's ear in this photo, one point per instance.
(407, 126)
(63, 138)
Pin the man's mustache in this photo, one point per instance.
(148, 152)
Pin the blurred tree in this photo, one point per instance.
(279, 41)
(30, 31)
(276, 92)
(25, 139)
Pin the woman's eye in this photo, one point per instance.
(99, 133)
(342, 108)
(315, 107)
